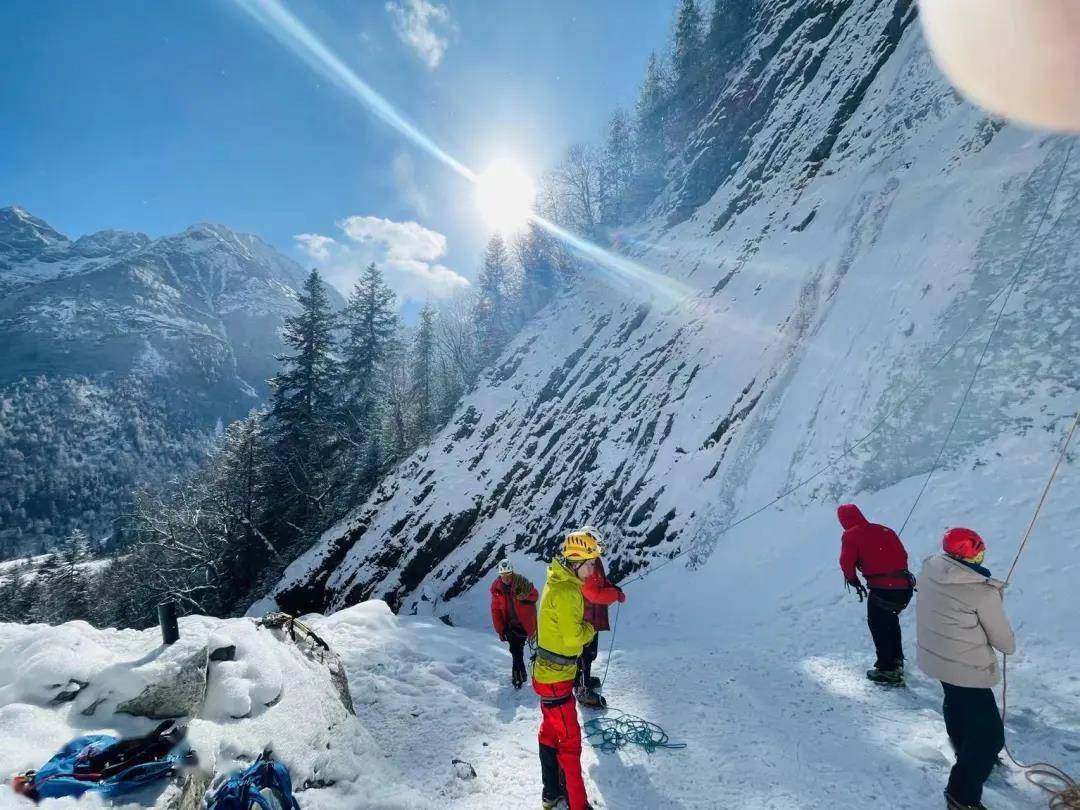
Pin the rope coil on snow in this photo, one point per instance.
(609, 734)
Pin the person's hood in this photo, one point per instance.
(558, 572)
(944, 570)
(850, 516)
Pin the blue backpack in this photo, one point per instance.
(264, 784)
(108, 765)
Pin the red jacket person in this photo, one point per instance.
(877, 552)
(513, 615)
(598, 593)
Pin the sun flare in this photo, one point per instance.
(504, 195)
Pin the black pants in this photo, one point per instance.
(551, 774)
(588, 655)
(977, 735)
(883, 609)
(517, 651)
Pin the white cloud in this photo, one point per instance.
(315, 246)
(424, 26)
(406, 252)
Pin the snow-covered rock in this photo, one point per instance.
(830, 256)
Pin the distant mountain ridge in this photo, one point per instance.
(187, 326)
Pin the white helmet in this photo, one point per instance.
(505, 567)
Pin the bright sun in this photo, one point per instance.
(504, 194)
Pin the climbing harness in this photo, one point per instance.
(1063, 789)
(555, 658)
(609, 734)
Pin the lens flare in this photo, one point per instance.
(286, 28)
(505, 194)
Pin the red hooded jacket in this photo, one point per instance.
(598, 593)
(873, 549)
(513, 603)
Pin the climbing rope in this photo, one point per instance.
(1039, 773)
(1046, 491)
(919, 384)
(986, 346)
(1063, 789)
(611, 646)
(609, 734)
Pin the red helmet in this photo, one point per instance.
(962, 543)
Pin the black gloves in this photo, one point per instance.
(858, 586)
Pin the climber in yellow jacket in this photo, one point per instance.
(561, 632)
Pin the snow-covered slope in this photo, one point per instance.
(841, 219)
(755, 661)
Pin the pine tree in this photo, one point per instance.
(13, 606)
(650, 132)
(617, 168)
(238, 475)
(398, 412)
(423, 377)
(688, 66)
(64, 593)
(494, 315)
(728, 27)
(537, 253)
(371, 325)
(301, 431)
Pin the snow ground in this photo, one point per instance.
(755, 661)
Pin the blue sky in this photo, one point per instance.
(153, 115)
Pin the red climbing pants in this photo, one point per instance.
(560, 743)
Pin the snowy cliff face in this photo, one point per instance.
(840, 219)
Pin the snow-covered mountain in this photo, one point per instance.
(121, 354)
(830, 255)
(204, 305)
(31, 250)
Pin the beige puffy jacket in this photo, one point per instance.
(961, 621)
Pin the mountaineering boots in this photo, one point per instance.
(886, 677)
(559, 804)
(953, 804)
(590, 698)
